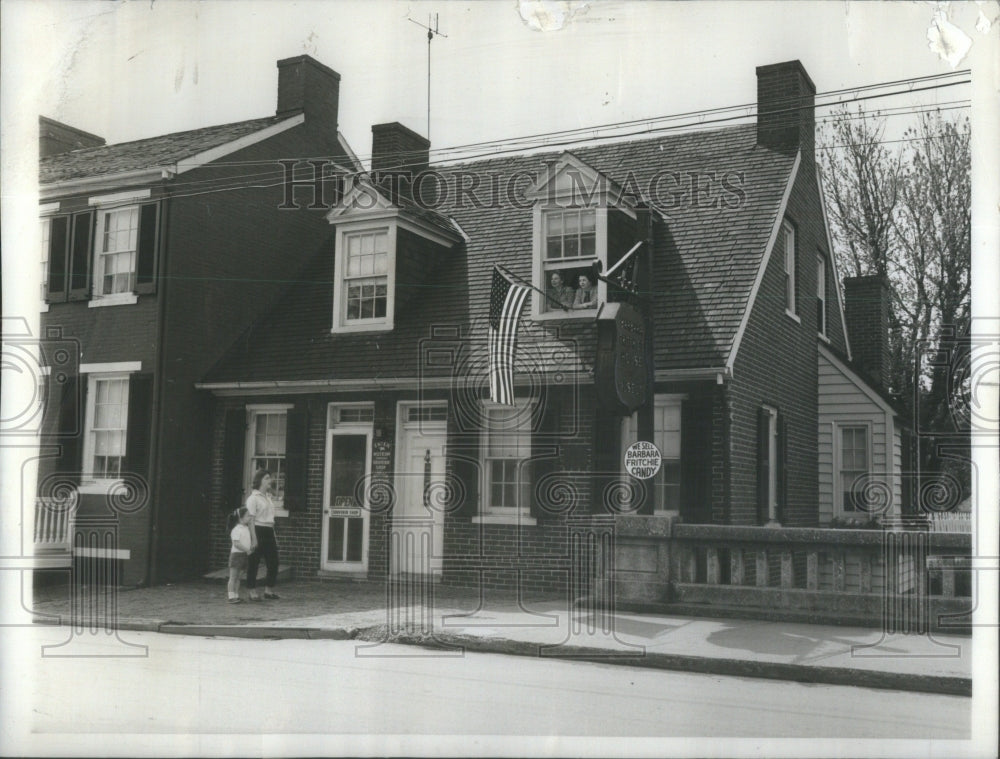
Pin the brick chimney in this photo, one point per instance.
(866, 311)
(786, 100)
(54, 137)
(306, 85)
(398, 150)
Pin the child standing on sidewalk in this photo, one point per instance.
(242, 540)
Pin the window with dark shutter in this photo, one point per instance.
(72, 403)
(80, 255)
(696, 459)
(782, 464)
(233, 447)
(296, 446)
(147, 248)
(140, 419)
(545, 452)
(763, 464)
(58, 276)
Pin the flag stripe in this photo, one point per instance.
(506, 302)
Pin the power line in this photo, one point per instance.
(238, 181)
(749, 108)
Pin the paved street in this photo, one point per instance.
(189, 685)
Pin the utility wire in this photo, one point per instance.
(238, 181)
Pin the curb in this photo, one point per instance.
(864, 678)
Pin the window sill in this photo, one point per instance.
(571, 314)
(792, 315)
(97, 487)
(356, 328)
(280, 512)
(505, 519)
(123, 299)
(43, 308)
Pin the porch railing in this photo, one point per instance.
(54, 525)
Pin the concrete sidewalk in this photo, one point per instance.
(456, 620)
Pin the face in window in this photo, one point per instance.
(556, 280)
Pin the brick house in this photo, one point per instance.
(157, 254)
(364, 387)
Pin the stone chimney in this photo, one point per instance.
(306, 85)
(397, 150)
(786, 100)
(866, 311)
(54, 137)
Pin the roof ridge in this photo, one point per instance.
(96, 148)
(576, 148)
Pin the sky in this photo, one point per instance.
(136, 69)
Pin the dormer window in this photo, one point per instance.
(366, 280)
(580, 219)
(383, 255)
(567, 265)
(365, 277)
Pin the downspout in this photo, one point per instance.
(158, 383)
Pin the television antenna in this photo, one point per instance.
(432, 32)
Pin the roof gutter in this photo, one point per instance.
(139, 176)
(290, 387)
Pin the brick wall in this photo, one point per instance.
(777, 366)
(233, 254)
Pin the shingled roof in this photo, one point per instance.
(706, 261)
(148, 153)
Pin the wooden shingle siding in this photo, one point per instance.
(842, 402)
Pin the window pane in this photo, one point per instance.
(554, 247)
(554, 220)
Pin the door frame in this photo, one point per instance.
(402, 427)
(348, 428)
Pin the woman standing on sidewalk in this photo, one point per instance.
(262, 510)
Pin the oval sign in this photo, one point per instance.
(643, 460)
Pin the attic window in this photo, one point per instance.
(570, 250)
(364, 297)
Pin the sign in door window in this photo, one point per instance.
(345, 511)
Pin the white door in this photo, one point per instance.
(418, 515)
(345, 501)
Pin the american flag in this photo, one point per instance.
(506, 302)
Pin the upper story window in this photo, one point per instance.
(821, 293)
(366, 278)
(580, 218)
(106, 254)
(787, 240)
(570, 250)
(365, 273)
(118, 234)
